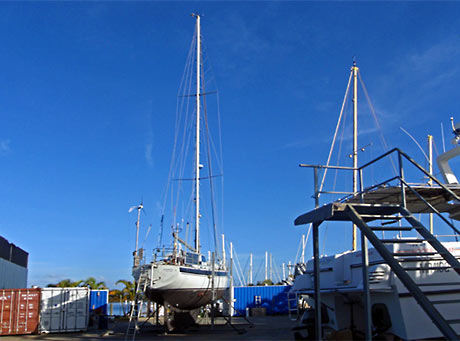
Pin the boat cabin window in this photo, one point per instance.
(191, 258)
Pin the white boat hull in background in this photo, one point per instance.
(183, 287)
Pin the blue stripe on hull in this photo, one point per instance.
(203, 272)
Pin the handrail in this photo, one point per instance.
(367, 189)
(403, 183)
(408, 158)
(431, 207)
(429, 175)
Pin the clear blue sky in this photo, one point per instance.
(88, 94)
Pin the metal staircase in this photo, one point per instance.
(393, 201)
(396, 260)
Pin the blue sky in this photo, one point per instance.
(88, 97)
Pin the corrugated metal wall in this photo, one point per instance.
(12, 253)
(271, 297)
(98, 300)
(12, 275)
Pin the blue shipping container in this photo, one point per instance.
(271, 297)
(98, 300)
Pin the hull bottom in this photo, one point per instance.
(184, 299)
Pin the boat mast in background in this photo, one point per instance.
(355, 70)
(430, 170)
(197, 145)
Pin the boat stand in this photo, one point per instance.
(390, 203)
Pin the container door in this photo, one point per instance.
(26, 316)
(19, 311)
(6, 311)
(76, 310)
(64, 310)
(51, 310)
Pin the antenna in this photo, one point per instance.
(418, 144)
(139, 208)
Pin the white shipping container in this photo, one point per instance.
(64, 310)
(12, 276)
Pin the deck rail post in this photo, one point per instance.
(315, 179)
(318, 328)
(366, 293)
(401, 175)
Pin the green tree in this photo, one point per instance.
(93, 284)
(128, 291)
(265, 282)
(65, 283)
(115, 295)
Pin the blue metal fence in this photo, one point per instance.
(271, 297)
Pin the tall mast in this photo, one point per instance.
(266, 265)
(355, 139)
(250, 268)
(430, 170)
(302, 257)
(139, 208)
(197, 145)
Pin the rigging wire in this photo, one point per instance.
(277, 274)
(218, 153)
(336, 173)
(298, 251)
(211, 182)
(335, 134)
(258, 269)
(377, 123)
(239, 272)
(179, 110)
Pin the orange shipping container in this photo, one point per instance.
(19, 311)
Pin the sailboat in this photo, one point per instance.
(406, 286)
(182, 279)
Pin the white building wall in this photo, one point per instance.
(12, 276)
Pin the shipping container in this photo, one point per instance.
(271, 297)
(12, 276)
(19, 311)
(98, 301)
(64, 310)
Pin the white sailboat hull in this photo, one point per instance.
(183, 287)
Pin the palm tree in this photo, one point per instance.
(128, 291)
(265, 282)
(65, 283)
(93, 284)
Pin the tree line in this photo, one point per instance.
(115, 295)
